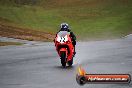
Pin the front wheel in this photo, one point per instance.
(63, 59)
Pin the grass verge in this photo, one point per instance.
(89, 19)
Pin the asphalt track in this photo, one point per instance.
(38, 65)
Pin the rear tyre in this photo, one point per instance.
(70, 62)
(63, 59)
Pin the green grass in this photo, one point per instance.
(89, 19)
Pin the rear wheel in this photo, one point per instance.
(63, 59)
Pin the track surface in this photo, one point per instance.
(38, 66)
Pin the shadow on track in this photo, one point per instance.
(65, 68)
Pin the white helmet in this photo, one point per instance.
(64, 26)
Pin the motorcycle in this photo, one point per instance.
(64, 47)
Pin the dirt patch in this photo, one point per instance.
(25, 34)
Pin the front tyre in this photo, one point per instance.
(63, 59)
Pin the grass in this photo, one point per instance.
(89, 19)
(9, 43)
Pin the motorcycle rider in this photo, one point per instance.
(65, 27)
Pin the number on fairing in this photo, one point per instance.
(62, 39)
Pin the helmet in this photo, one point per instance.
(64, 26)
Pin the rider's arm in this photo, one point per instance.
(73, 36)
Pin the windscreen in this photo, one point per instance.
(63, 33)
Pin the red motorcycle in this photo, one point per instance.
(64, 47)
